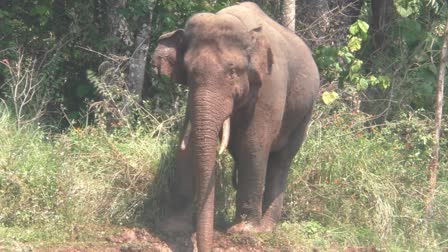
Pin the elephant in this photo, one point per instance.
(252, 85)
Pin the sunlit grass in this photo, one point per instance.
(69, 181)
(350, 185)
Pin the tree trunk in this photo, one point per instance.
(137, 62)
(120, 34)
(382, 16)
(118, 26)
(289, 14)
(438, 122)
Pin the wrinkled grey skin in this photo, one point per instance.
(241, 64)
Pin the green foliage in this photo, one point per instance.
(341, 65)
(359, 28)
(411, 53)
(399, 75)
(406, 8)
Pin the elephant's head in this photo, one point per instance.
(223, 61)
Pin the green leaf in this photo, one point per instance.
(373, 80)
(348, 57)
(354, 44)
(356, 66)
(355, 77)
(329, 97)
(384, 81)
(354, 29)
(363, 26)
(406, 8)
(362, 84)
(359, 29)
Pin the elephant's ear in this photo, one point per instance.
(261, 57)
(167, 59)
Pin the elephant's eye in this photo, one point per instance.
(232, 70)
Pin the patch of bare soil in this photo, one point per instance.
(128, 240)
(140, 240)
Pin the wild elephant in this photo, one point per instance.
(254, 81)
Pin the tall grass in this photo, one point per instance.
(69, 182)
(367, 185)
(351, 184)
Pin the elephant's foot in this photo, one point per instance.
(243, 227)
(176, 223)
(267, 226)
(248, 228)
(268, 222)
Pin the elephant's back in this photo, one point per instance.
(281, 39)
(252, 16)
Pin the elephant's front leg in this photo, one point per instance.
(251, 164)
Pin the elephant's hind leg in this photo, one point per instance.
(276, 178)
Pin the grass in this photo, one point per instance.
(367, 186)
(54, 187)
(351, 185)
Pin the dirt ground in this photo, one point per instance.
(140, 240)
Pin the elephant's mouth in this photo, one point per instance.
(224, 141)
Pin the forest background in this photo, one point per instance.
(88, 134)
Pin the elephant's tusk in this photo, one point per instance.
(225, 135)
(183, 144)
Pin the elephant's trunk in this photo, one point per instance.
(224, 138)
(204, 155)
(207, 118)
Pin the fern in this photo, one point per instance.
(436, 5)
(98, 84)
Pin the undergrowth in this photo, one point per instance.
(61, 185)
(360, 184)
(352, 184)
